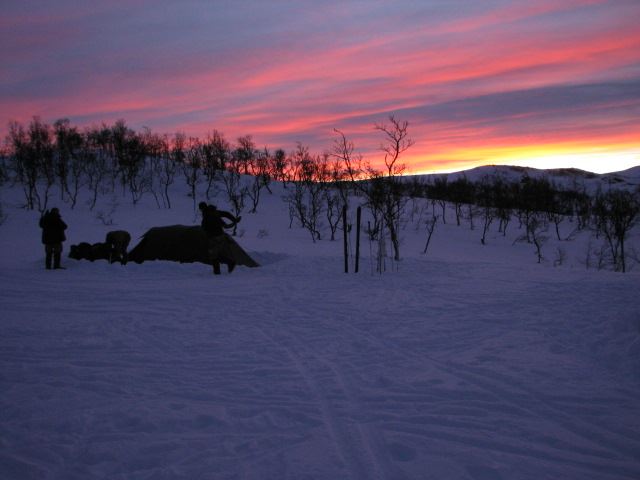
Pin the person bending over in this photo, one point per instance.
(213, 223)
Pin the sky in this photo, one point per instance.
(542, 83)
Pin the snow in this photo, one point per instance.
(469, 362)
(570, 178)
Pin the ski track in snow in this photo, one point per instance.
(138, 379)
(449, 368)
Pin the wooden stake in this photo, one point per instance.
(344, 228)
(358, 217)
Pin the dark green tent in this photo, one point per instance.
(185, 244)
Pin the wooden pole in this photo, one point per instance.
(358, 217)
(344, 229)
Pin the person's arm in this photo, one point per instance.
(42, 217)
(228, 216)
(227, 225)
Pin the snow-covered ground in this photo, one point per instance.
(470, 362)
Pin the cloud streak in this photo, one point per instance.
(472, 78)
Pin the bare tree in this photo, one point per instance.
(191, 167)
(259, 170)
(77, 172)
(216, 151)
(345, 171)
(486, 203)
(306, 198)
(393, 200)
(431, 226)
(558, 208)
(235, 191)
(65, 137)
(33, 152)
(333, 209)
(156, 147)
(96, 163)
(24, 171)
(278, 164)
(244, 154)
(616, 212)
(438, 193)
(384, 195)
(128, 152)
(172, 160)
(503, 202)
(461, 192)
(535, 229)
(396, 142)
(350, 163)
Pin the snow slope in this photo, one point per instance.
(571, 178)
(470, 362)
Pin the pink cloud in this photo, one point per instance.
(305, 85)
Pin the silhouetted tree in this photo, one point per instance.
(24, 169)
(278, 166)
(96, 163)
(259, 170)
(216, 151)
(157, 150)
(438, 193)
(192, 167)
(460, 192)
(485, 199)
(503, 202)
(333, 209)
(129, 151)
(235, 191)
(535, 229)
(244, 154)
(384, 195)
(395, 143)
(431, 226)
(558, 209)
(306, 198)
(71, 159)
(33, 152)
(616, 212)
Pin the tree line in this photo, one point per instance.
(108, 159)
(538, 205)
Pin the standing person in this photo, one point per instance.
(52, 237)
(214, 225)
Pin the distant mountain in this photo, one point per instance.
(629, 178)
(633, 172)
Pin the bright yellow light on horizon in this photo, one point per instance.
(596, 160)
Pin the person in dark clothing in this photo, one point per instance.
(213, 223)
(52, 237)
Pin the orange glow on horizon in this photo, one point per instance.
(542, 83)
(589, 156)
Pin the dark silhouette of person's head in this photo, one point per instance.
(203, 206)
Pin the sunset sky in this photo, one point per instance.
(544, 83)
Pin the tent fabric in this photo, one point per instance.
(185, 244)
